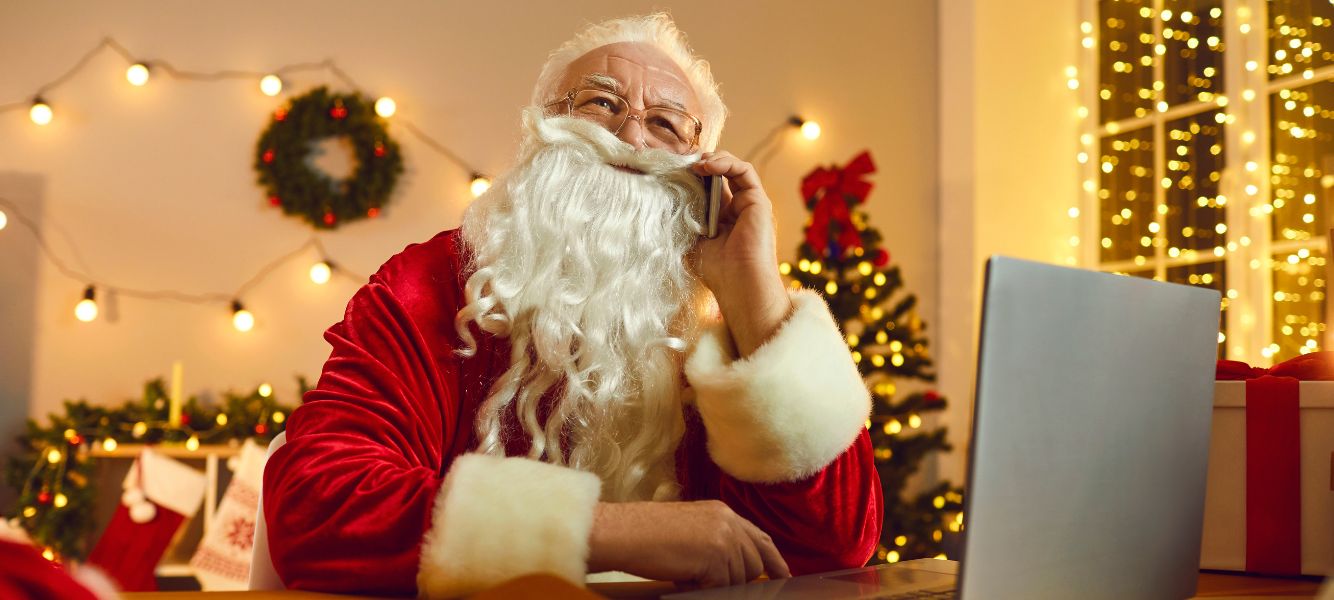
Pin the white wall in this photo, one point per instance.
(1009, 135)
(155, 183)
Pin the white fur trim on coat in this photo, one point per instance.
(787, 410)
(499, 518)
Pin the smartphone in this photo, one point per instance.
(713, 189)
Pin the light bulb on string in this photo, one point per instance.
(385, 107)
(321, 271)
(4, 219)
(271, 85)
(86, 309)
(480, 183)
(137, 74)
(265, 390)
(40, 113)
(242, 320)
(809, 129)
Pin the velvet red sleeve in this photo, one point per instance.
(349, 497)
(827, 521)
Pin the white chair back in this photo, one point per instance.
(262, 574)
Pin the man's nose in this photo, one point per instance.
(632, 132)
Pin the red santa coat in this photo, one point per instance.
(377, 491)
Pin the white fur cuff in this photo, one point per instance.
(788, 409)
(499, 518)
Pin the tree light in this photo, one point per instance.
(271, 85)
(480, 183)
(109, 445)
(86, 309)
(60, 500)
(242, 320)
(320, 272)
(385, 107)
(40, 113)
(137, 74)
(265, 390)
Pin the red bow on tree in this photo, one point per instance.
(827, 192)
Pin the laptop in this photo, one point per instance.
(1089, 450)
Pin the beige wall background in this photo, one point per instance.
(154, 184)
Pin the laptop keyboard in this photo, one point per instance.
(948, 594)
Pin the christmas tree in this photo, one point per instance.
(842, 258)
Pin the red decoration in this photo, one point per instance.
(76, 440)
(276, 201)
(185, 419)
(379, 149)
(280, 114)
(268, 156)
(1273, 457)
(881, 257)
(373, 212)
(44, 497)
(328, 218)
(931, 397)
(826, 192)
(338, 111)
(261, 429)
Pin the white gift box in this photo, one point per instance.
(1225, 526)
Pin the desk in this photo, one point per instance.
(1211, 585)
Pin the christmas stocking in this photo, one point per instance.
(222, 561)
(159, 495)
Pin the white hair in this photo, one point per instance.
(584, 268)
(657, 30)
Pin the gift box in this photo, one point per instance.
(1269, 505)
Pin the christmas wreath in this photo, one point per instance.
(299, 189)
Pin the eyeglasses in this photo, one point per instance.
(668, 128)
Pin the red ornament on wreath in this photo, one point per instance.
(881, 258)
(291, 183)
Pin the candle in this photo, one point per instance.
(174, 416)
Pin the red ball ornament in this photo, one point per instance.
(280, 114)
(379, 149)
(261, 429)
(268, 156)
(338, 112)
(76, 440)
(276, 201)
(881, 258)
(328, 218)
(43, 497)
(931, 397)
(185, 419)
(373, 212)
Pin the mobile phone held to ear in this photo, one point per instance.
(713, 188)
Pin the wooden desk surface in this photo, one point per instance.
(1211, 585)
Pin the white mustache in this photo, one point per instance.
(564, 130)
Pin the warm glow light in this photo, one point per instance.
(137, 74)
(109, 445)
(242, 320)
(810, 129)
(40, 113)
(192, 444)
(479, 185)
(385, 107)
(48, 554)
(53, 456)
(265, 390)
(271, 85)
(60, 500)
(86, 309)
(4, 219)
(320, 272)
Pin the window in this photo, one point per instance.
(1205, 148)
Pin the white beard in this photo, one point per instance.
(585, 269)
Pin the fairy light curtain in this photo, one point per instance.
(1205, 148)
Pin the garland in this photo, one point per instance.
(290, 183)
(52, 469)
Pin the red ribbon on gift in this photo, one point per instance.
(1273, 457)
(833, 186)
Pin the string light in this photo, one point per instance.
(192, 444)
(137, 74)
(4, 219)
(480, 184)
(242, 320)
(270, 85)
(265, 390)
(109, 445)
(809, 129)
(321, 271)
(86, 309)
(385, 107)
(41, 112)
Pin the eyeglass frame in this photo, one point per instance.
(568, 99)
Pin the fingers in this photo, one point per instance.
(774, 565)
(739, 173)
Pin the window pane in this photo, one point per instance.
(1299, 302)
(1195, 220)
(1301, 36)
(1211, 275)
(1126, 41)
(1126, 219)
(1193, 62)
(1302, 147)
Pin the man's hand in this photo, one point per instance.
(740, 266)
(700, 543)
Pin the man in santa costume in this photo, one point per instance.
(577, 380)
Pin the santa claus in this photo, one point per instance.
(576, 380)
